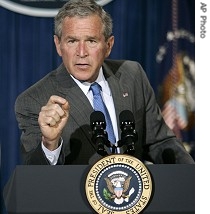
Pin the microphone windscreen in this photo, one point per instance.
(126, 115)
(97, 116)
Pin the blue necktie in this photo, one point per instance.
(99, 105)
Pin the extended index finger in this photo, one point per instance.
(54, 99)
(59, 103)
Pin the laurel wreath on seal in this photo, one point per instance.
(107, 195)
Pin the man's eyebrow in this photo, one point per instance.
(77, 38)
(92, 37)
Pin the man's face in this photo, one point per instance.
(83, 47)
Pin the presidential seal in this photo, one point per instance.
(118, 184)
(40, 8)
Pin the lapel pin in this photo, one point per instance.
(125, 94)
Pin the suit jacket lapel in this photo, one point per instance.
(120, 91)
(120, 94)
(80, 107)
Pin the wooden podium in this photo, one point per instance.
(61, 189)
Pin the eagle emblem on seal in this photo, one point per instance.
(118, 184)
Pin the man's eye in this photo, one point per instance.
(92, 43)
(71, 41)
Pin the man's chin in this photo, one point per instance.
(83, 78)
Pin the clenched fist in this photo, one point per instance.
(52, 119)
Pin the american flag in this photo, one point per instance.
(178, 95)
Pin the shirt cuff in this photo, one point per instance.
(53, 156)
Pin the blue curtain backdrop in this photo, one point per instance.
(28, 53)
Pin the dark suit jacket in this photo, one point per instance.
(130, 90)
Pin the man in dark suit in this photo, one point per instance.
(54, 114)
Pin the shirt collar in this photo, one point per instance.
(85, 86)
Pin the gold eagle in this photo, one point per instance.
(111, 187)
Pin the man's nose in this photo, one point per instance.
(82, 49)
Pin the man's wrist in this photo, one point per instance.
(51, 144)
(53, 156)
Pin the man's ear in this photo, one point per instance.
(57, 45)
(110, 43)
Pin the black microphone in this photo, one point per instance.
(168, 156)
(99, 135)
(128, 134)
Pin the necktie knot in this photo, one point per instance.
(96, 88)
